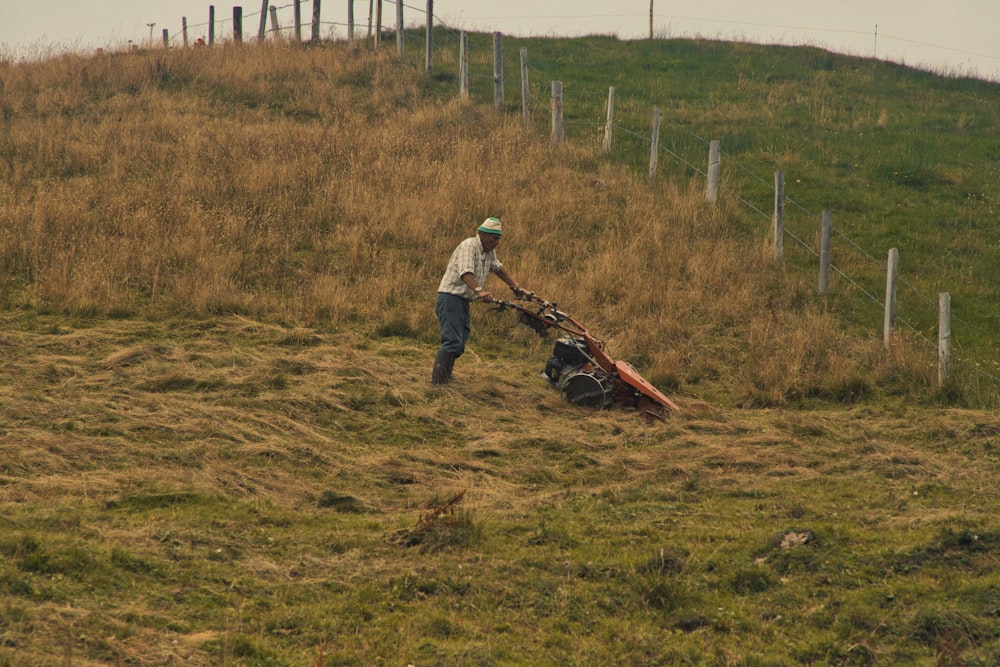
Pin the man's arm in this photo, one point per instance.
(505, 276)
(483, 295)
(518, 291)
(470, 280)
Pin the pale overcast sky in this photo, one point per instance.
(957, 36)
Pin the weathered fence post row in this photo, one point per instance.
(268, 10)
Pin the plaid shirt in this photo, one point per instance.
(469, 257)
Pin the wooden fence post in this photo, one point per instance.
(498, 98)
(429, 55)
(779, 215)
(944, 337)
(315, 21)
(463, 66)
(378, 23)
(399, 28)
(298, 20)
(606, 144)
(262, 27)
(211, 25)
(238, 25)
(826, 228)
(889, 316)
(558, 132)
(184, 30)
(712, 189)
(525, 112)
(275, 26)
(166, 38)
(654, 149)
(350, 21)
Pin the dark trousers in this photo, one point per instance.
(456, 322)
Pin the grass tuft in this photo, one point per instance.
(440, 526)
(341, 503)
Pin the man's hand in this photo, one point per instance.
(521, 293)
(484, 296)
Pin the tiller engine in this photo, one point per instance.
(580, 367)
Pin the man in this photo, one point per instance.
(471, 262)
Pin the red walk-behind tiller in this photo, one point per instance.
(580, 367)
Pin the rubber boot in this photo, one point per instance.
(444, 362)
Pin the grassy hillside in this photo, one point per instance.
(286, 184)
(220, 444)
